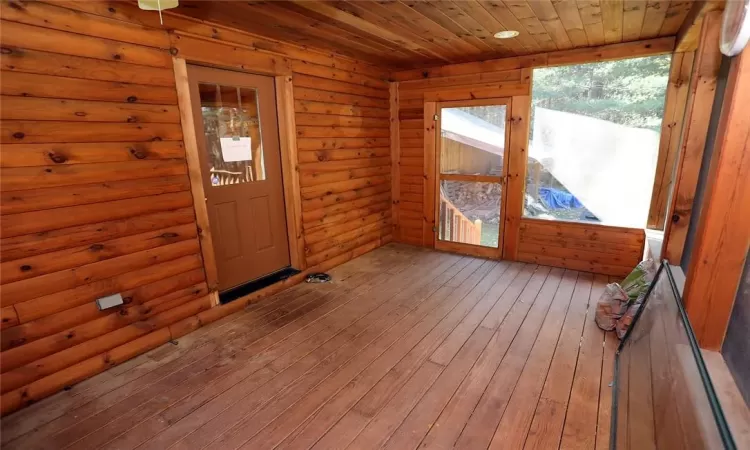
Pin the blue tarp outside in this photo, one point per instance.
(556, 199)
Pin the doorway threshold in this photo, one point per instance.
(242, 290)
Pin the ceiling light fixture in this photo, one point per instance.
(158, 5)
(506, 34)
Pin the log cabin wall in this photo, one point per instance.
(414, 178)
(578, 246)
(588, 247)
(95, 190)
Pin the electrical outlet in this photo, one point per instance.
(109, 301)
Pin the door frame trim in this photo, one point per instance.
(289, 172)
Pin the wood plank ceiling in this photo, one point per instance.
(420, 33)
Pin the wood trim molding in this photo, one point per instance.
(468, 249)
(669, 141)
(222, 54)
(395, 160)
(290, 171)
(586, 225)
(519, 120)
(192, 155)
(473, 178)
(650, 47)
(690, 31)
(723, 233)
(430, 169)
(497, 100)
(695, 130)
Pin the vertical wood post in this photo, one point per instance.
(290, 171)
(669, 142)
(697, 117)
(443, 220)
(723, 234)
(518, 119)
(192, 155)
(428, 236)
(395, 139)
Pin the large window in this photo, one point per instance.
(595, 141)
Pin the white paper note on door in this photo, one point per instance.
(236, 149)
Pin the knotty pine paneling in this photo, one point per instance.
(412, 96)
(417, 34)
(94, 189)
(586, 247)
(590, 247)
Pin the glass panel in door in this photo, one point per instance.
(233, 138)
(470, 180)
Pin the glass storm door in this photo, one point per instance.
(472, 139)
(238, 140)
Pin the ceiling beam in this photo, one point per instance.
(650, 47)
(333, 13)
(690, 31)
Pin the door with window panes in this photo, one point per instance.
(472, 138)
(238, 139)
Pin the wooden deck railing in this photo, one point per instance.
(455, 227)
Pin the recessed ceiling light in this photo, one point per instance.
(506, 34)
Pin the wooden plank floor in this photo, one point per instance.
(407, 348)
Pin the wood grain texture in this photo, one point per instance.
(408, 347)
(429, 174)
(395, 159)
(428, 33)
(192, 159)
(415, 150)
(597, 249)
(606, 52)
(96, 169)
(96, 173)
(495, 79)
(689, 34)
(519, 123)
(723, 234)
(669, 143)
(706, 66)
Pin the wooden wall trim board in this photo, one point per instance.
(723, 232)
(430, 169)
(580, 246)
(658, 46)
(121, 212)
(706, 65)
(688, 36)
(519, 121)
(205, 50)
(395, 137)
(193, 156)
(290, 172)
(669, 142)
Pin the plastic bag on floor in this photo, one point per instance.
(619, 302)
(612, 304)
(624, 322)
(637, 282)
